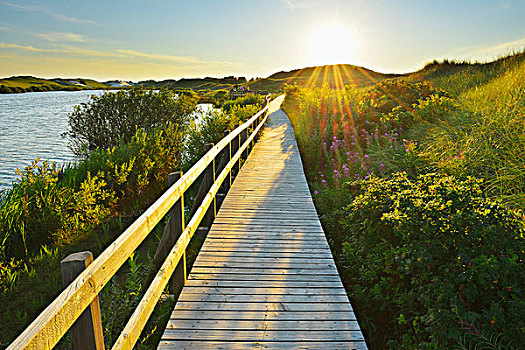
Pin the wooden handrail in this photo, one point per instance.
(47, 329)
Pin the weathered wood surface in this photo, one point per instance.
(87, 332)
(265, 277)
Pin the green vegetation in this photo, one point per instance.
(419, 184)
(196, 84)
(51, 212)
(430, 253)
(211, 128)
(213, 90)
(21, 84)
(336, 76)
(113, 118)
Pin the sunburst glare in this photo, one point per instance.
(331, 43)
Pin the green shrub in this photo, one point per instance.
(115, 116)
(248, 99)
(210, 129)
(129, 168)
(39, 208)
(45, 205)
(425, 256)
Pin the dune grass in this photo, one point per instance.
(386, 163)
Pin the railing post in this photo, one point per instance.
(244, 138)
(238, 146)
(228, 157)
(209, 179)
(176, 222)
(87, 332)
(252, 129)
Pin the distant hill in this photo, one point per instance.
(336, 76)
(196, 84)
(32, 84)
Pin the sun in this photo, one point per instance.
(330, 43)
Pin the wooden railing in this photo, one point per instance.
(49, 327)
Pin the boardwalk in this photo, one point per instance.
(265, 277)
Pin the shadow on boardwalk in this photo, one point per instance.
(265, 277)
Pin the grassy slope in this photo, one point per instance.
(459, 77)
(487, 133)
(336, 76)
(483, 136)
(57, 84)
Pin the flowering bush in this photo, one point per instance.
(430, 255)
(338, 129)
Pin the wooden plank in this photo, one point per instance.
(257, 335)
(269, 222)
(263, 306)
(236, 235)
(261, 246)
(250, 277)
(266, 229)
(295, 260)
(273, 249)
(269, 324)
(266, 214)
(333, 315)
(260, 284)
(258, 298)
(265, 290)
(263, 271)
(237, 345)
(266, 265)
(267, 243)
(267, 240)
(280, 254)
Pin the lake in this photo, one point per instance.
(31, 125)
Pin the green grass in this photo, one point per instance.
(336, 76)
(485, 136)
(28, 84)
(460, 123)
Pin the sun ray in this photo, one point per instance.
(331, 43)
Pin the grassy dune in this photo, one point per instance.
(419, 182)
(336, 76)
(32, 84)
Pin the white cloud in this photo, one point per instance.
(61, 37)
(56, 15)
(4, 28)
(490, 50)
(182, 59)
(123, 54)
(297, 4)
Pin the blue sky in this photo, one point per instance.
(138, 39)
